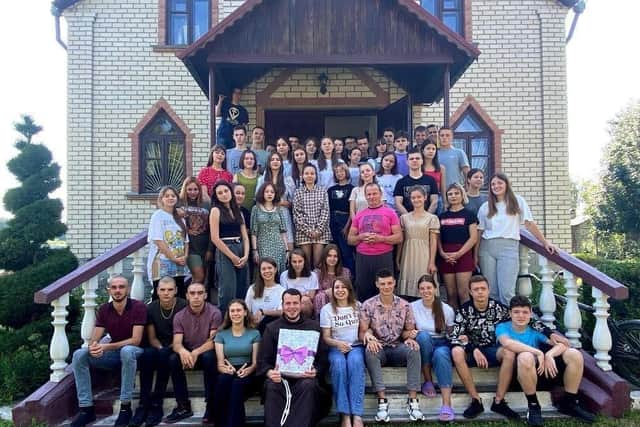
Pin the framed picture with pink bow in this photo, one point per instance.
(296, 351)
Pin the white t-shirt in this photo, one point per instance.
(303, 284)
(343, 323)
(424, 317)
(502, 225)
(271, 299)
(388, 184)
(163, 226)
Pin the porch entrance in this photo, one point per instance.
(337, 123)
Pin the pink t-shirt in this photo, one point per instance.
(379, 221)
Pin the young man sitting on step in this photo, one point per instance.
(474, 344)
(541, 361)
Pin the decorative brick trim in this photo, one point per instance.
(163, 105)
(468, 27)
(380, 93)
(470, 103)
(263, 96)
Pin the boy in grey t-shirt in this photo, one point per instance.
(453, 159)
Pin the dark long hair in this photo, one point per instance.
(296, 171)
(226, 323)
(278, 183)
(215, 148)
(322, 161)
(177, 218)
(306, 270)
(258, 286)
(436, 307)
(244, 156)
(322, 266)
(510, 200)
(260, 194)
(289, 152)
(435, 161)
(231, 214)
(394, 169)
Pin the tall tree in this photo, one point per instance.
(618, 206)
(36, 217)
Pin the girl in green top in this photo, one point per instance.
(248, 177)
(237, 353)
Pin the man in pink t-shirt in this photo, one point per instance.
(374, 231)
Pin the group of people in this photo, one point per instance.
(299, 222)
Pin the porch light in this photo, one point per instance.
(323, 78)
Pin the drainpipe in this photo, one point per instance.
(543, 126)
(577, 10)
(56, 13)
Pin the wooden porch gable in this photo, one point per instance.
(396, 36)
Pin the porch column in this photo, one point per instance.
(410, 116)
(446, 85)
(212, 104)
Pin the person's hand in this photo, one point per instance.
(550, 247)
(373, 345)
(180, 212)
(476, 261)
(274, 375)
(412, 344)
(412, 334)
(256, 257)
(181, 260)
(557, 338)
(241, 262)
(481, 360)
(228, 368)
(221, 98)
(96, 350)
(344, 347)
(257, 317)
(186, 358)
(311, 373)
(243, 371)
(550, 368)
(345, 231)
(463, 339)
(541, 363)
(432, 268)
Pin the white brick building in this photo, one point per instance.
(123, 70)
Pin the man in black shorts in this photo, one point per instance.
(541, 361)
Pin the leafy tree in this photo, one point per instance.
(618, 205)
(36, 216)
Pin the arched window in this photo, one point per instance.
(450, 12)
(187, 20)
(162, 155)
(473, 136)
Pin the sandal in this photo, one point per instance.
(446, 414)
(428, 389)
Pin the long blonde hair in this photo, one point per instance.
(177, 218)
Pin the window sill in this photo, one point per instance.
(168, 48)
(141, 196)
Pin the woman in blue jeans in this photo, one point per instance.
(433, 320)
(339, 321)
(229, 236)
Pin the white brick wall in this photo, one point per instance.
(114, 77)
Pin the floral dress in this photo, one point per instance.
(267, 226)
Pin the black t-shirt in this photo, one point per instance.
(454, 226)
(162, 320)
(403, 189)
(232, 115)
(339, 197)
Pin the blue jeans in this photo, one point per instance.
(126, 359)
(347, 379)
(232, 282)
(337, 222)
(436, 352)
(499, 262)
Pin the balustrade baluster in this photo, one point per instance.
(572, 318)
(137, 286)
(89, 305)
(59, 349)
(524, 282)
(601, 335)
(547, 299)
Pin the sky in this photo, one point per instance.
(602, 73)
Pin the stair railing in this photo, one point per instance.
(86, 276)
(603, 288)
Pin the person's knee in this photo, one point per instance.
(81, 354)
(174, 361)
(442, 355)
(526, 361)
(458, 355)
(508, 357)
(208, 359)
(571, 356)
(129, 353)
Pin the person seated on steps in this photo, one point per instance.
(539, 361)
(158, 348)
(386, 325)
(474, 344)
(123, 319)
(194, 329)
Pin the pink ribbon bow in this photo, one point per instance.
(299, 354)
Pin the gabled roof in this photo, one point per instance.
(58, 6)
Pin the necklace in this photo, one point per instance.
(167, 317)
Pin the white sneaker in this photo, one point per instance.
(413, 409)
(383, 411)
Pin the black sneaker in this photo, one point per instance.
(574, 410)
(85, 416)
(124, 417)
(155, 415)
(139, 416)
(503, 408)
(475, 408)
(534, 416)
(179, 413)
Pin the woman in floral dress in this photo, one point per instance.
(268, 230)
